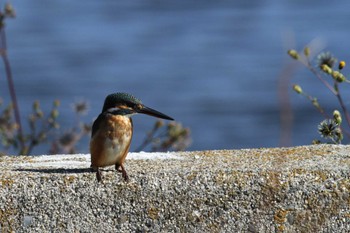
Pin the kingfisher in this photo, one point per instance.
(112, 131)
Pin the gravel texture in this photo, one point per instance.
(298, 189)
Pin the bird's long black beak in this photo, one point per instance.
(152, 112)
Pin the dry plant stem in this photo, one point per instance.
(314, 71)
(334, 90)
(150, 137)
(11, 84)
(340, 99)
(318, 108)
(29, 149)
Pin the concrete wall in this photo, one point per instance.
(300, 189)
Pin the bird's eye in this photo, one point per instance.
(138, 106)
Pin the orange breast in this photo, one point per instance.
(111, 142)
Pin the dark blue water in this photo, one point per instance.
(215, 66)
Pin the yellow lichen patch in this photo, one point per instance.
(298, 152)
(7, 219)
(344, 184)
(191, 176)
(280, 218)
(210, 153)
(319, 207)
(207, 153)
(153, 212)
(221, 177)
(320, 175)
(274, 182)
(7, 182)
(298, 171)
(239, 178)
(281, 228)
(69, 179)
(273, 178)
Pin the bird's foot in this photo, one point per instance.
(120, 168)
(98, 173)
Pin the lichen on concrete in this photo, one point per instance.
(298, 189)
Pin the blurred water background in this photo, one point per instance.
(215, 66)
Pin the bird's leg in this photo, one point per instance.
(120, 168)
(98, 173)
(124, 174)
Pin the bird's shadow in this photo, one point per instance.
(59, 170)
(55, 170)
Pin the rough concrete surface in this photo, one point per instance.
(298, 189)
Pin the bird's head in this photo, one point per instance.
(130, 105)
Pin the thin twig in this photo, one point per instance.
(11, 84)
(149, 139)
(342, 105)
(317, 74)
